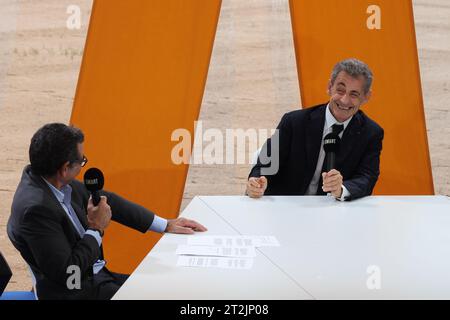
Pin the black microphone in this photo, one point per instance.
(94, 181)
(331, 144)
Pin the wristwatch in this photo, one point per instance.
(98, 230)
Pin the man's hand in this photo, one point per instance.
(184, 226)
(332, 182)
(256, 187)
(98, 217)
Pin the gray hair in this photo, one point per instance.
(354, 68)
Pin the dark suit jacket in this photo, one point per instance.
(41, 230)
(300, 137)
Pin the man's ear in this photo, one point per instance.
(367, 97)
(329, 87)
(64, 169)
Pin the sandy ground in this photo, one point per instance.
(252, 81)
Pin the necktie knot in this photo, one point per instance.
(337, 128)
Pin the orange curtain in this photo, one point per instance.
(380, 33)
(143, 75)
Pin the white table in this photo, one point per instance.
(327, 249)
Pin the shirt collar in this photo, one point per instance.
(330, 120)
(64, 195)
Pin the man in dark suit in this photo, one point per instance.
(58, 230)
(300, 135)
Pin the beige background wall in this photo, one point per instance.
(252, 81)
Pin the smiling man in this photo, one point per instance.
(300, 147)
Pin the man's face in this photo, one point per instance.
(346, 96)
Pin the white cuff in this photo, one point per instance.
(345, 194)
(158, 225)
(96, 235)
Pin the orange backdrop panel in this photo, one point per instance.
(328, 31)
(143, 75)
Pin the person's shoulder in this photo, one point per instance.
(29, 190)
(301, 114)
(31, 196)
(370, 124)
(31, 201)
(79, 190)
(78, 185)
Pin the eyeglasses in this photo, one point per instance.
(82, 162)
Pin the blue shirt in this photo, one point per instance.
(64, 196)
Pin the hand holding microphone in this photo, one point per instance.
(99, 212)
(332, 178)
(332, 182)
(99, 216)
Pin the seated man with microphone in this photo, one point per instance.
(331, 148)
(58, 228)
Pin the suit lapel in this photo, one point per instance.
(51, 198)
(350, 138)
(314, 132)
(57, 205)
(80, 214)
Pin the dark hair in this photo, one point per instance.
(53, 145)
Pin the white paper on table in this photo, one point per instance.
(215, 262)
(242, 252)
(221, 241)
(234, 241)
(265, 241)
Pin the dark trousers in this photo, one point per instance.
(108, 283)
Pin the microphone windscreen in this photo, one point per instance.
(93, 179)
(331, 143)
